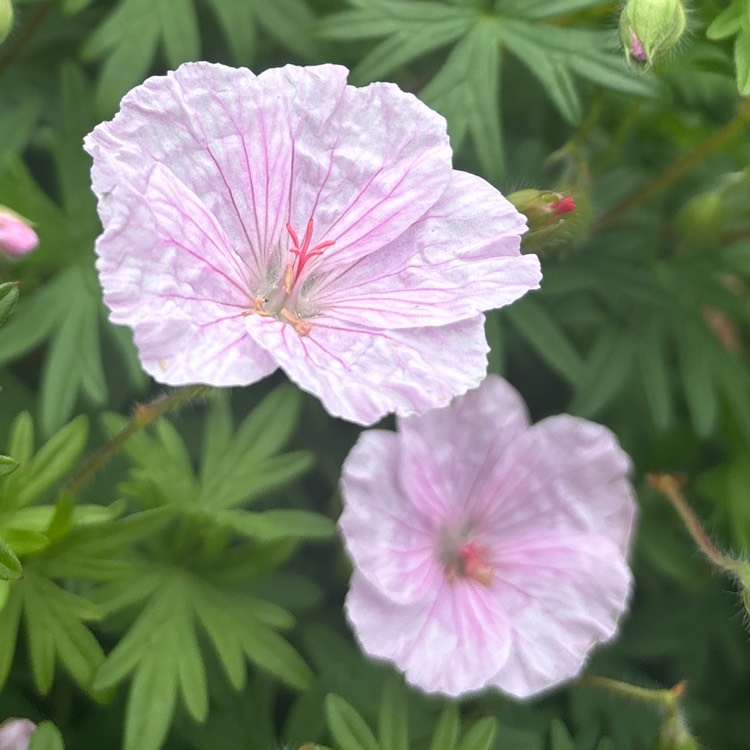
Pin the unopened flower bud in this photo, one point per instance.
(552, 217)
(6, 19)
(15, 734)
(702, 217)
(16, 236)
(650, 28)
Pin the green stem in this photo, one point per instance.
(669, 486)
(665, 698)
(713, 143)
(28, 31)
(144, 414)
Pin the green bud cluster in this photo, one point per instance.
(649, 29)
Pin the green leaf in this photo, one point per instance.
(607, 368)
(654, 369)
(348, 728)
(179, 28)
(273, 525)
(52, 462)
(547, 338)
(480, 736)
(151, 700)
(742, 61)
(9, 295)
(551, 71)
(7, 465)
(466, 91)
(46, 737)
(694, 343)
(10, 566)
(73, 362)
(447, 730)
(393, 722)
(559, 736)
(55, 630)
(17, 126)
(728, 22)
(538, 9)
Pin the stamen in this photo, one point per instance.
(302, 327)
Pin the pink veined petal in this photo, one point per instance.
(169, 271)
(445, 452)
(222, 134)
(391, 543)
(361, 375)
(564, 474)
(460, 258)
(290, 145)
(563, 594)
(368, 162)
(453, 644)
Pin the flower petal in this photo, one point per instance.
(565, 474)
(563, 594)
(361, 374)
(461, 258)
(452, 644)
(368, 162)
(169, 272)
(289, 145)
(445, 452)
(391, 544)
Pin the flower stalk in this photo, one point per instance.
(143, 415)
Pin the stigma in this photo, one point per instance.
(281, 299)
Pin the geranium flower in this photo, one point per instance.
(17, 238)
(290, 220)
(487, 552)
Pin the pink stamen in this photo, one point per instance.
(305, 252)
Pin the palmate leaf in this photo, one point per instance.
(129, 38)
(56, 630)
(466, 89)
(350, 731)
(162, 651)
(237, 468)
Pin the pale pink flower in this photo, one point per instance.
(487, 552)
(290, 220)
(16, 237)
(15, 734)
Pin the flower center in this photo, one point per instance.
(463, 557)
(281, 300)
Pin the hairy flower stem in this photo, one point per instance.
(670, 486)
(713, 143)
(667, 699)
(143, 415)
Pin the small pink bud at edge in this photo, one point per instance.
(17, 238)
(15, 734)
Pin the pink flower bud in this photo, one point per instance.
(15, 734)
(16, 237)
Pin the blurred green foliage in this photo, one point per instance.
(153, 608)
